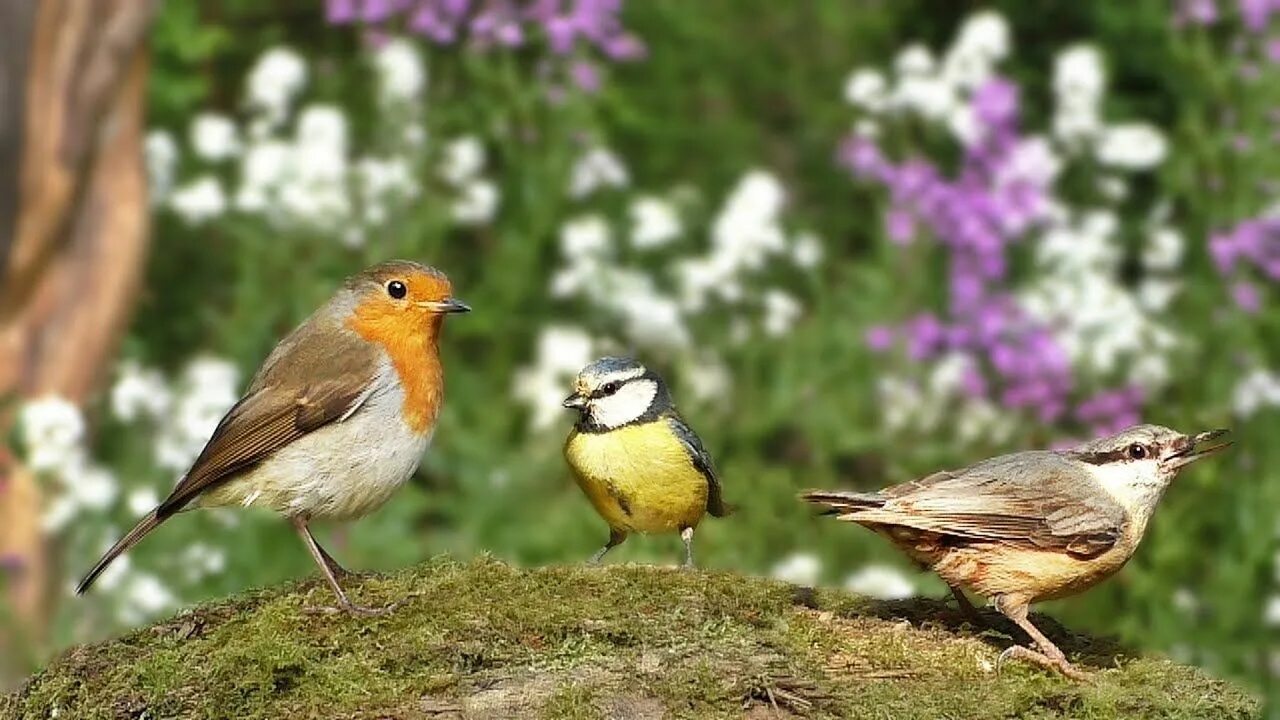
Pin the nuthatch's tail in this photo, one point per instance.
(836, 502)
(144, 526)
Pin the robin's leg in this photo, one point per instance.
(329, 560)
(1048, 656)
(322, 559)
(616, 538)
(966, 607)
(686, 535)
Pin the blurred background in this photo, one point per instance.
(864, 240)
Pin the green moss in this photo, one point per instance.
(483, 638)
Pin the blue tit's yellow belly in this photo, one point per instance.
(640, 478)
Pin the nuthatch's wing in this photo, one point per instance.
(327, 378)
(702, 461)
(1036, 500)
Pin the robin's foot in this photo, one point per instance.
(1050, 661)
(345, 605)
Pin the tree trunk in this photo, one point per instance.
(73, 227)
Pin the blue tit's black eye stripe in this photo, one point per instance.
(397, 289)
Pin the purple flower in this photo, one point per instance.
(585, 75)
(899, 226)
(879, 337)
(1247, 297)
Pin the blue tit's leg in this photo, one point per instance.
(616, 538)
(687, 536)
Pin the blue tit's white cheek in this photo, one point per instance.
(628, 403)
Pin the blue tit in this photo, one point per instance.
(641, 466)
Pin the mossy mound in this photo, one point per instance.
(484, 639)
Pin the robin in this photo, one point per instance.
(335, 420)
(1030, 526)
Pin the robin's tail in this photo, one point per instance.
(144, 526)
(836, 502)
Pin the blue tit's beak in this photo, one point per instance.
(446, 306)
(575, 402)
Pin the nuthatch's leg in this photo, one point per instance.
(616, 538)
(323, 560)
(686, 535)
(1049, 656)
(966, 607)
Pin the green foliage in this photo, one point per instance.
(489, 639)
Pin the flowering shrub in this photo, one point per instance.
(1066, 339)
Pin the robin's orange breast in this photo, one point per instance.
(413, 352)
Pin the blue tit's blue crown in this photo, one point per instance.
(611, 366)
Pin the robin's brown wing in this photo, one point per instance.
(317, 375)
(1036, 500)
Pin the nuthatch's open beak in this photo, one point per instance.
(448, 305)
(575, 402)
(1189, 453)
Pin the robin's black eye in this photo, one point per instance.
(1137, 452)
(611, 388)
(396, 289)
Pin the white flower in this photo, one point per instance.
(323, 127)
(1074, 125)
(930, 97)
(746, 231)
(914, 60)
(963, 123)
(144, 596)
(139, 392)
(464, 158)
(58, 512)
(401, 77)
(1032, 161)
(1132, 146)
(806, 250)
(780, 312)
(52, 430)
(214, 137)
(707, 378)
(985, 34)
(1078, 77)
(273, 83)
(263, 168)
(383, 179)
(200, 559)
(867, 89)
(1272, 614)
(1164, 249)
(798, 569)
(199, 201)
(477, 204)
(562, 351)
(597, 168)
(1185, 600)
(585, 236)
(1257, 390)
(162, 160)
(91, 486)
(209, 390)
(882, 582)
(141, 501)
(654, 222)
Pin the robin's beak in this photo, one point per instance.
(575, 402)
(446, 306)
(1190, 451)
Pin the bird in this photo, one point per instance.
(335, 420)
(1030, 526)
(640, 464)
